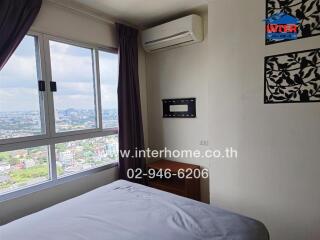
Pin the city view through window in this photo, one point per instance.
(23, 167)
(19, 96)
(75, 109)
(78, 156)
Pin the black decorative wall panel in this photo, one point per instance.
(307, 11)
(293, 77)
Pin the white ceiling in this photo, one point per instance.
(142, 13)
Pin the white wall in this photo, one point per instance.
(276, 177)
(177, 73)
(58, 21)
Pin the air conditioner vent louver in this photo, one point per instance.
(168, 38)
(179, 32)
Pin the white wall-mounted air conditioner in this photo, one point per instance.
(180, 32)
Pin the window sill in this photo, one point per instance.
(53, 183)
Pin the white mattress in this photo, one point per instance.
(124, 210)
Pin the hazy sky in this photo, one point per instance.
(71, 69)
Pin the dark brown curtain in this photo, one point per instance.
(129, 105)
(16, 17)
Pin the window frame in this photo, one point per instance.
(114, 51)
(50, 138)
(43, 102)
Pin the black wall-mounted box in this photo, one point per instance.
(179, 108)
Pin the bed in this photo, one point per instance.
(124, 210)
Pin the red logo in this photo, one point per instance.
(282, 28)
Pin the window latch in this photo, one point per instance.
(42, 86)
(53, 86)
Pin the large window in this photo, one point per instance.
(74, 103)
(58, 112)
(20, 100)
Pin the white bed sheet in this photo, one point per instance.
(124, 210)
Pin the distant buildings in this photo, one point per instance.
(66, 158)
(73, 157)
(29, 163)
(4, 178)
(22, 124)
(4, 167)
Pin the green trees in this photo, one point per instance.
(7, 158)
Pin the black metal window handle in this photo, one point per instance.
(41, 86)
(53, 86)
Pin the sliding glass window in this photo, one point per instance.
(109, 84)
(58, 113)
(73, 71)
(20, 100)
